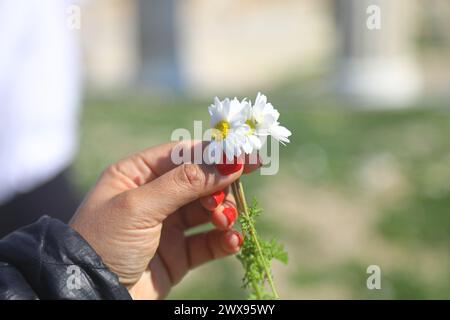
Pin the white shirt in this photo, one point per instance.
(39, 93)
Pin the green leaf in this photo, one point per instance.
(256, 255)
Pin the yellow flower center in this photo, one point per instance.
(252, 125)
(220, 130)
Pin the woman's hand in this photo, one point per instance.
(136, 216)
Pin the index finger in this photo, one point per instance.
(149, 164)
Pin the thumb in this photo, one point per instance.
(155, 201)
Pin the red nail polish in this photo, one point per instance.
(241, 238)
(218, 196)
(231, 214)
(225, 168)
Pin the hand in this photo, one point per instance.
(136, 216)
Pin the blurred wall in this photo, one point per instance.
(223, 45)
(109, 32)
(211, 47)
(376, 61)
(237, 45)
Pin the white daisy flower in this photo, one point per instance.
(238, 127)
(262, 119)
(252, 141)
(229, 129)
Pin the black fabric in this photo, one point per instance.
(55, 198)
(49, 260)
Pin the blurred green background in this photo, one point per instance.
(366, 178)
(362, 84)
(355, 188)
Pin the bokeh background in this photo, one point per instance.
(366, 179)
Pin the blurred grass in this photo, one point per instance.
(398, 159)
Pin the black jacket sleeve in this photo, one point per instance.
(49, 260)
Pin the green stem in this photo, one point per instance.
(238, 191)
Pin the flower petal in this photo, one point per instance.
(280, 133)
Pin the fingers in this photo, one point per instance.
(193, 215)
(222, 207)
(142, 167)
(214, 244)
(149, 164)
(213, 200)
(221, 212)
(152, 174)
(175, 189)
(224, 216)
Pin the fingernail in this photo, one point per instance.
(230, 213)
(226, 169)
(218, 197)
(240, 237)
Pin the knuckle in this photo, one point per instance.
(192, 175)
(127, 201)
(114, 170)
(110, 170)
